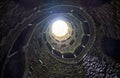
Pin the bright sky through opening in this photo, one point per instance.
(59, 28)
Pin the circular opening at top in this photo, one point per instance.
(60, 28)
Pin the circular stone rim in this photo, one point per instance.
(92, 38)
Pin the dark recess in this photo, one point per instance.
(111, 47)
